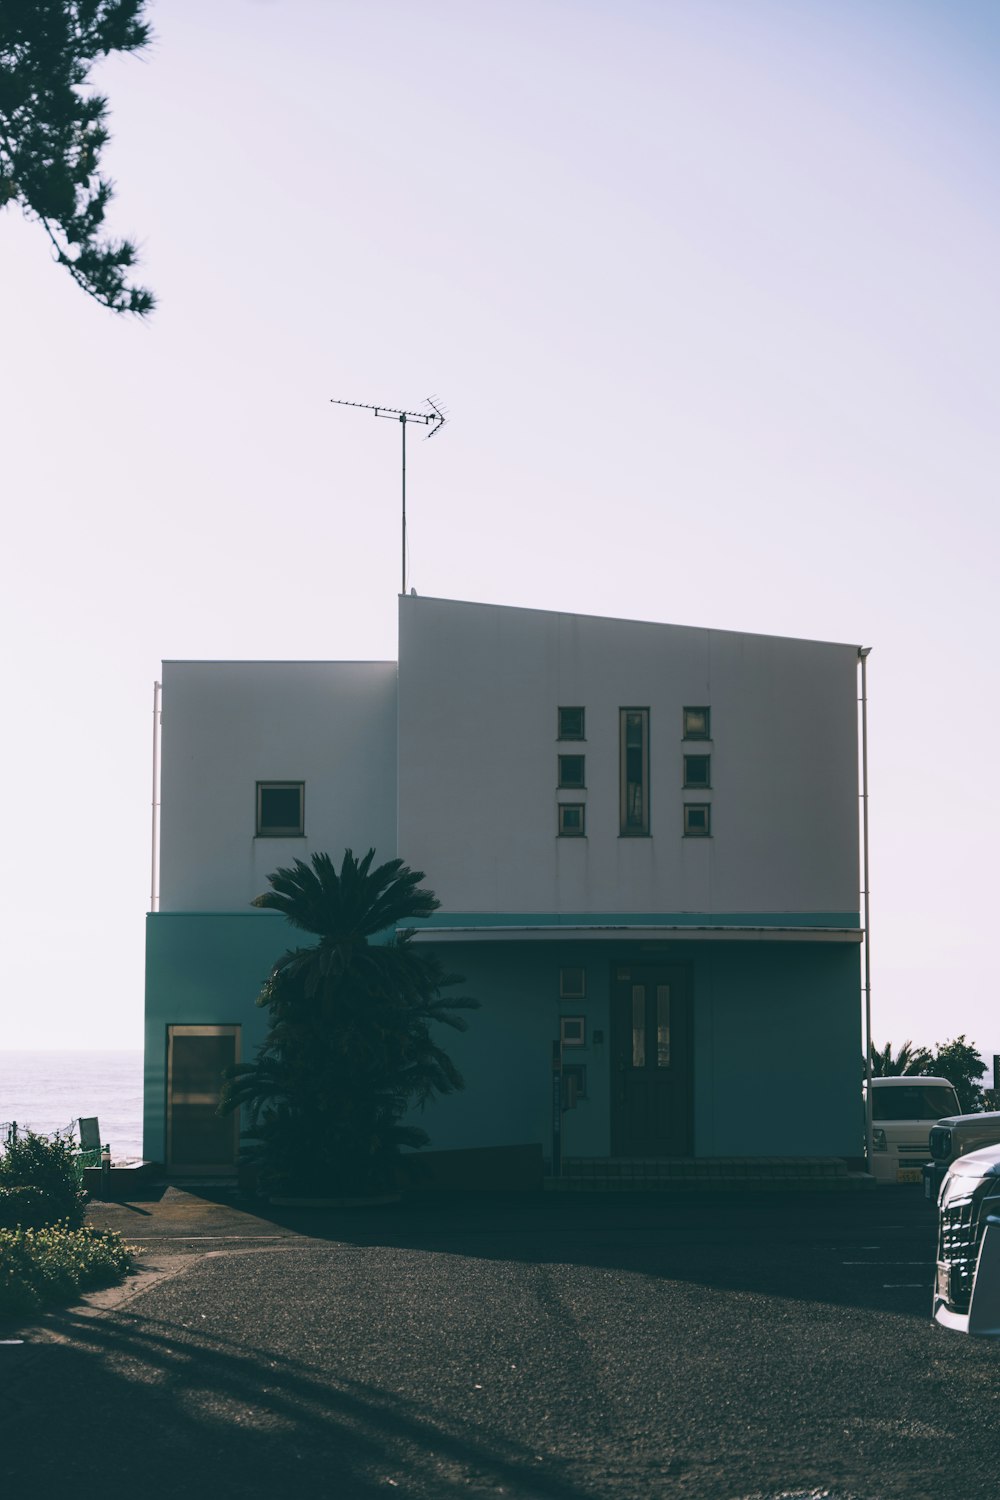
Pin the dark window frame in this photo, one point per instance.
(281, 831)
(696, 734)
(572, 786)
(571, 709)
(698, 833)
(580, 1040)
(572, 833)
(699, 786)
(566, 990)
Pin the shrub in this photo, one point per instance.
(25, 1208)
(54, 1264)
(49, 1170)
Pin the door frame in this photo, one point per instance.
(651, 965)
(195, 1028)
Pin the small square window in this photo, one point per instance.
(573, 1031)
(571, 820)
(572, 984)
(571, 770)
(280, 809)
(571, 724)
(697, 724)
(697, 770)
(697, 820)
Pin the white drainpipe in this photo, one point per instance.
(154, 879)
(863, 652)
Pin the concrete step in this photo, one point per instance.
(747, 1183)
(642, 1174)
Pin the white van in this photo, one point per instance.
(903, 1111)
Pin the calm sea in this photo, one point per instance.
(50, 1090)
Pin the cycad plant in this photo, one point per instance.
(350, 1048)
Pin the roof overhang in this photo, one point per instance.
(493, 933)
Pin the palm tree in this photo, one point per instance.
(908, 1060)
(350, 1046)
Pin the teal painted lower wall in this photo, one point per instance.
(777, 1033)
(202, 968)
(777, 1044)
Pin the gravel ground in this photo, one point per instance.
(564, 1348)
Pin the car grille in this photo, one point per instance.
(957, 1246)
(960, 1233)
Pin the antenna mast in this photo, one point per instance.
(434, 419)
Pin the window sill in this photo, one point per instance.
(279, 835)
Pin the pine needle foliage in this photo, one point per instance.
(350, 1047)
(52, 134)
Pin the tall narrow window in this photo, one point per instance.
(663, 1026)
(634, 772)
(638, 1026)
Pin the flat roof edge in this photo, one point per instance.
(565, 614)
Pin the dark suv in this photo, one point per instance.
(956, 1136)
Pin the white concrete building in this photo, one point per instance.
(644, 838)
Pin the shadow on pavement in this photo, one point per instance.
(821, 1247)
(133, 1405)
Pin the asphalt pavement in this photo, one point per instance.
(565, 1347)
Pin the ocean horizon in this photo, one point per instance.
(48, 1091)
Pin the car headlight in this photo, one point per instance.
(878, 1140)
(940, 1142)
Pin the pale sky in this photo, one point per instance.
(709, 290)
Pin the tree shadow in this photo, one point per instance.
(122, 1403)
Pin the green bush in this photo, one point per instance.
(55, 1264)
(51, 1171)
(25, 1208)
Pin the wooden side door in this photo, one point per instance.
(197, 1137)
(651, 1093)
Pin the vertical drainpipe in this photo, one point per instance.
(154, 878)
(863, 653)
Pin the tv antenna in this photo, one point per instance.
(434, 419)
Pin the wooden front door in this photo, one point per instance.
(197, 1137)
(650, 1061)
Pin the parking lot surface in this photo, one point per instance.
(570, 1347)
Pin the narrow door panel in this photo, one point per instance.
(650, 1061)
(196, 1135)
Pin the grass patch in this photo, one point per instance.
(41, 1267)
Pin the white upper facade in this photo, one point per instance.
(453, 761)
(480, 688)
(227, 726)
